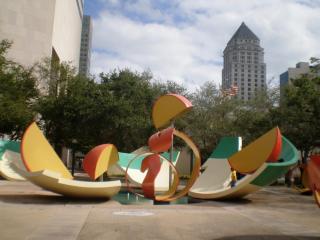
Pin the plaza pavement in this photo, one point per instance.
(28, 212)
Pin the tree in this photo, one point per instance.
(211, 117)
(301, 113)
(18, 93)
(69, 107)
(131, 96)
(257, 116)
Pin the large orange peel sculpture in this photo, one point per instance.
(165, 139)
(165, 110)
(313, 168)
(38, 155)
(98, 160)
(151, 163)
(149, 190)
(265, 148)
(161, 141)
(168, 108)
(46, 170)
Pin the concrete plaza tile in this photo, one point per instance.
(28, 212)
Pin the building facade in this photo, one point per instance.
(86, 43)
(243, 64)
(40, 29)
(301, 69)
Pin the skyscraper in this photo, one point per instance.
(243, 64)
(86, 42)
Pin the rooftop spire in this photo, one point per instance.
(244, 32)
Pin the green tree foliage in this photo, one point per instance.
(67, 107)
(81, 113)
(130, 97)
(211, 117)
(18, 93)
(301, 113)
(257, 116)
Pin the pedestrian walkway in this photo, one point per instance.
(28, 212)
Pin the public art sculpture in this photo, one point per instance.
(153, 168)
(46, 170)
(165, 110)
(313, 169)
(213, 184)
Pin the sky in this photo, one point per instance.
(183, 41)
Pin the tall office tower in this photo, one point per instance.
(42, 28)
(243, 64)
(86, 42)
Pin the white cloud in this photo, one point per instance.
(185, 41)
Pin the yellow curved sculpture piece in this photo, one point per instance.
(38, 155)
(98, 160)
(214, 182)
(53, 181)
(169, 107)
(47, 170)
(258, 152)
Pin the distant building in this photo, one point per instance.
(86, 42)
(293, 73)
(42, 28)
(243, 64)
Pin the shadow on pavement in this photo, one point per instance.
(46, 199)
(266, 237)
(241, 201)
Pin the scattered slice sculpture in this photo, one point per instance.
(313, 168)
(213, 183)
(47, 170)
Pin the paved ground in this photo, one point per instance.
(27, 212)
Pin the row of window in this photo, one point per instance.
(246, 48)
(242, 80)
(249, 66)
(249, 70)
(249, 75)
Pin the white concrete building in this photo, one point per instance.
(243, 64)
(42, 28)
